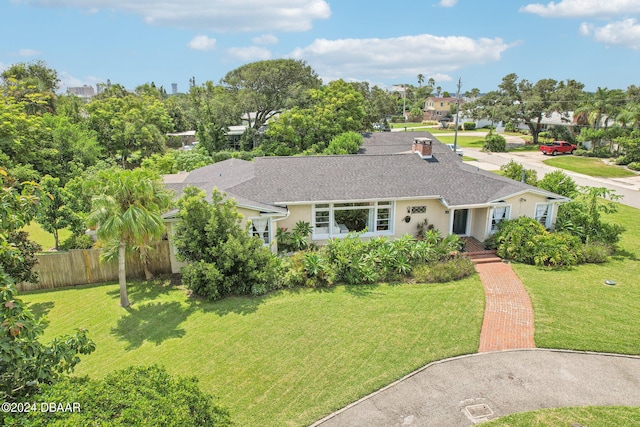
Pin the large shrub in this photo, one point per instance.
(135, 396)
(345, 143)
(495, 143)
(231, 261)
(515, 239)
(634, 166)
(556, 250)
(455, 268)
(582, 216)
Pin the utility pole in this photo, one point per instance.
(455, 138)
(404, 103)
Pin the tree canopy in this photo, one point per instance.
(265, 88)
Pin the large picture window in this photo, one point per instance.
(335, 219)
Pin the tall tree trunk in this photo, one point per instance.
(122, 275)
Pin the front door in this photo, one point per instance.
(460, 217)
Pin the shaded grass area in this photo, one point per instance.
(592, 416)
(589, 166)
(574, 309)
(44, 238)
(285, 359)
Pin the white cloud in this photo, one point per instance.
(202, 43)
(212, 15)
(252, 53)
(622, 33)
(28, 52)
(448, 3)
(585, 28)
(400, 57)
(583, 8)
(265, 39)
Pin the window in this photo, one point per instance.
(337, 219)
(499, 214)
(261, 227)
(543, 214)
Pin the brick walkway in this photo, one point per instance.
(508, 315)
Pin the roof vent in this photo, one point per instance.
(422, 146)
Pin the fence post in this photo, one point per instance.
(87, 265)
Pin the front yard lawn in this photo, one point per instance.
(575, 309)
(285, 359)
(591, 166)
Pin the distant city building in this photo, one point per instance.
(82, 91)
(174, 88)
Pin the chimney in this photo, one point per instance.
(423, 147)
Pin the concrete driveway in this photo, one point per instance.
(470, 389)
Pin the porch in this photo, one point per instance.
(475, 250)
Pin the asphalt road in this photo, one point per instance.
(468, 390)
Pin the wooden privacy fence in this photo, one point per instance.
(83, 266)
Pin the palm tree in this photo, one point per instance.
(127, 211)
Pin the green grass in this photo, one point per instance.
(592, 416)
(285, 359)
(468, 159)
(575, 309)
(44, 238)
(463, 141)
(407, 125)
(589, 166)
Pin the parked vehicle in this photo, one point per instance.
(556, 147)
(458, 150)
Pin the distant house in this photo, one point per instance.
(438, 108)
(398, 181)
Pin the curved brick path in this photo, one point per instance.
(508, 315)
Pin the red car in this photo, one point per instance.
(556, 147)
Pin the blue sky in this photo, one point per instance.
(596, 42)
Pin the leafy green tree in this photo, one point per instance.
(134, 396)
(528, 103)
(20, 132)
(25, 79)
(25, 363)
(225, 258)
(66, 148)
(127, 207)
(602, 106)
(515, 170)
(18, 205)
(130, 124)
(265, 88)
(213, 109)
(560, 183)
(54, 211)
(336, 108)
